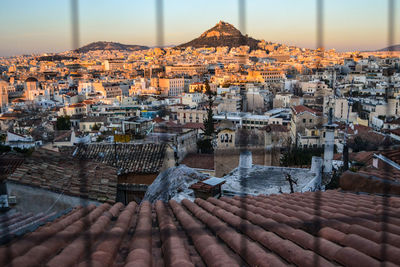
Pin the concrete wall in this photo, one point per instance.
(35, 200)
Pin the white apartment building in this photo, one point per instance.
(192, 99)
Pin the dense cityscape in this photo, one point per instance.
(109, 138)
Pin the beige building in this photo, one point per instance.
(231, 102)
(191, 115)
(74, 109)
(108, 90)
(282, 100)
(171, 87)
(87, 124)
(304, 118)
(200, 87)
(267, 76)
(3, 94)
(193, 69)
(32, 89)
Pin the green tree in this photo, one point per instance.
(296, 156)
(208, 122)
(96, 127)
(63, 123)
(3, 138)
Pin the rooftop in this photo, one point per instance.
(58, 172)
(304, 229)
(129, 158)
(301, 109)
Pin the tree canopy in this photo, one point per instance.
(63, 123)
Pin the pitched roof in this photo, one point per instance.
(94, 119)
(363, 157)
(8, 164)
(371, 180)
(158, 120)
(393, 155)
(15, 224)
(62, 136)
(304, 229)
(61, 173)
(129, 158)
(395, 132)
(193, 125)
(300, 109)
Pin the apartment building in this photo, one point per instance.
(304, 118)
(192, 99)
(108, 90)
(171, 86)
(191, 115)
(190, 69)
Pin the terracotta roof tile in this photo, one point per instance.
(305, 229)
(60, 173)
(301, 109)
(130, 158)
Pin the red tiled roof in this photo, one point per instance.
(301, 109)
(193, 125)
(130, 158)
(393, 155)
(371, 180)
(77, 105)
(158, 120)
(17, 223)
(8, 164)
(277, 230)
(396, 132)
(58, 172)
(364, 157)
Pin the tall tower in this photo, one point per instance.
(3, 94)
(329, 144)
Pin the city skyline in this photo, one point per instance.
(45, 26)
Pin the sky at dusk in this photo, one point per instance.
(38, 26)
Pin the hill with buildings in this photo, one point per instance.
(110, 46)
(222, 34)
(390, 48)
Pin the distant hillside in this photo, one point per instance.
(390, 48)
(110, 46)
(222, 34)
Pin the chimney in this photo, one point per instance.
(246, 160)
(329, 143)
(316, 165)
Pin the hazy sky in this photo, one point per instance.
(33, 26)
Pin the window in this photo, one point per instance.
(304, 120)
(310, 120)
